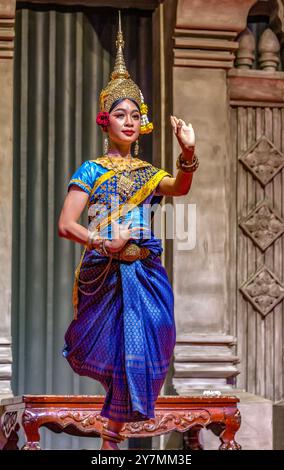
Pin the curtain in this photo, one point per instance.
(63, 58)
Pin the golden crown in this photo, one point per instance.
(121, 86)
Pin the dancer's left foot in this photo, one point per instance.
(110, 439)
(108, 445)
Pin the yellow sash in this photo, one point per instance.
(106, 176)
(134, 201)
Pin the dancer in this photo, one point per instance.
(123, 332)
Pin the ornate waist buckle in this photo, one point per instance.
(131, 252)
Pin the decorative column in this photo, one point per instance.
(257, 122)
(7, 18)
(204, 47)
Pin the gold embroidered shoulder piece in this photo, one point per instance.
(121, 164)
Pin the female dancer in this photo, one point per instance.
(123, 332)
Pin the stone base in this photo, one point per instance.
(256, 431)
(204, 362)
(7, 392)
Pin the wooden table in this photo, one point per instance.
(80, 416)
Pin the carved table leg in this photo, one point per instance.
(9, 431)
(227, 436)
(30, 425)
(191, 439)
(12, 442)
(3, 439)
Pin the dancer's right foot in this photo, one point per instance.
(110, 439)
(109, 445)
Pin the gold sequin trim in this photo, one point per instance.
(75, 180)
(121, 164)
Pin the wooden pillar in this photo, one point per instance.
(7, 18)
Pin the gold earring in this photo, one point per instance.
(136, 148)
(106, 145)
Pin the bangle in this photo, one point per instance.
(104, 248)
(92, 238)
(185, 161)
(90, 245)
(186, 166)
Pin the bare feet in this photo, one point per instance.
(109, 445)
(113, 427)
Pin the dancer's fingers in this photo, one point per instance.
(173, 122)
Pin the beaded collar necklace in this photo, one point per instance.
(125, 183)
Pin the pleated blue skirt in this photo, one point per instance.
(125, 333)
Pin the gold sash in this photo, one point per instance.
(134, 200)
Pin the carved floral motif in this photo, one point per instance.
(168, 421)
(8, 422)
(263, 226)
(263, 290)
(162, 422)
(85, 419)
(263, 160)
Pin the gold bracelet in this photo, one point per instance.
(91, 246)
(93, 236)
(186, 162)
(183, 165)
(104, 248)
(100, 248)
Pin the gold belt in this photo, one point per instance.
(131, 252)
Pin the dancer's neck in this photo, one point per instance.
(122, 151)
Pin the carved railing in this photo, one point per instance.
(261, 42)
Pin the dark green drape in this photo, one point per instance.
(63, 57)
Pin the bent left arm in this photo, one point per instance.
(180, 185)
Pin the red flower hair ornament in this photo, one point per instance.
(103, 120)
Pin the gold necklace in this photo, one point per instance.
(125, 183)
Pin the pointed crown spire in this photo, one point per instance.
(122, 86)
(120, 70)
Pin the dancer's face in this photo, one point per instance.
(125, 123)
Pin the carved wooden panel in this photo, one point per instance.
(257, 139)
(263, 290)
(263, 160)
(263, 225)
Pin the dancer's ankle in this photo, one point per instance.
(115, 426)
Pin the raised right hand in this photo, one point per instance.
(183, 132)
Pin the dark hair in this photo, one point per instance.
(116, 102)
